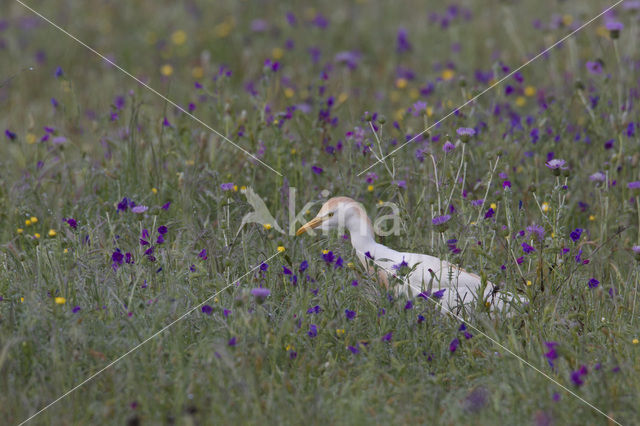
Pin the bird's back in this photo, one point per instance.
(431, 273)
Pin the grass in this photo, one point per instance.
(69, 305)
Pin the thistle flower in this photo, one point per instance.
(556, 165)
(440, 222)
(465, 133)
(260, 294)
(614, 28)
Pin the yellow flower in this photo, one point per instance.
(340, 331)
(493, 206)
(448, 74)
(281, 249)
(197, 72)
(592, 218)
(223, 29)
(22, 300)
(545, 207)
(401, 83)
(370, 188)
(567, 20)
(154, 190)
(277, 53)
(350, 265)
(216, 300)
(342, 97)
(529, 282)
(36, 235)
(65, 251)
(529, 91)
(293, 151)
(429, 111)
(19, 230)
(179, 37)
(267, 226)
(60, 300)
(635, 341)
(288, 92)
(52, 232)
(166, 70)
(289, 347)
(27, 222)
(235, 188)
(325, 251)
(243, 189)
(31, 138)
(520, 101)
(34, 219)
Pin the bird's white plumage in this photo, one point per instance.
(427, 272)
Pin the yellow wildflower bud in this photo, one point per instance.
(60, 300)
(52, 232)
(281, 249)
(166, 70)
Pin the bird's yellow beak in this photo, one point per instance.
(313, 223)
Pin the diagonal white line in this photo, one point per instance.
(136, 347)
(380, 160)
(494, 341)
(151, 89)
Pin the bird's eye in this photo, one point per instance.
(330, 214)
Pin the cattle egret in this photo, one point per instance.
(423, 272)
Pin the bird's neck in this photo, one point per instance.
(361, 231)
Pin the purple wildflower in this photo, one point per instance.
(328, 257)
(576, 234)
(454, 345)
(139, 209)
(206, 309)
(10, 135)
(594, 67)
(527, 248)
(441, 220)
(260, 294)
(313, 330)
(402, 41)
(593, 283)
(448, 147)
(387, 337)
(73, 224)
(350, 314)
(203, 254)
(226, 186)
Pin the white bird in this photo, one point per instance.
(427, 273)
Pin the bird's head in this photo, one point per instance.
(339, 213)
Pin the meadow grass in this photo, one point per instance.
(119, 213)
